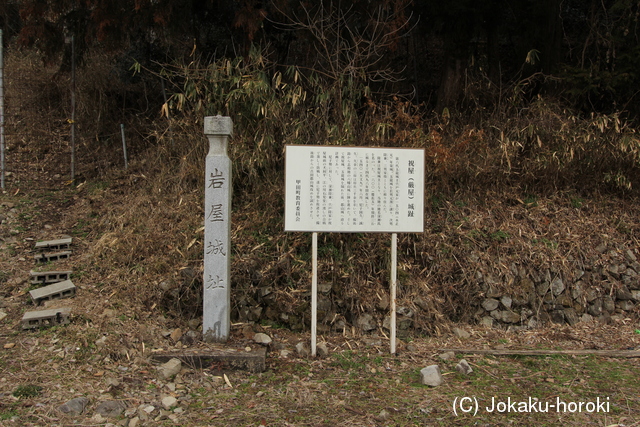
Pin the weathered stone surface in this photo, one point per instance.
(625, 305)
(169, 402)
(324, 288)
(557, 316)
(170, 368)
(431, 376)
(508, 316)
(630, 256)
(570, 316)
(261, 338)
(383, 303)
(404, 311)
(557, 286)
(110, 408)
(463, 367)
(322, 350)
(448, 355)
(506, 301)
(608, 304)
(176, 334)
(564, 300)
(421, 303)
(542, 288)
(461, 333)
(591, 294)
(366, 322)
(490, 304)
(492, 290)
(302, 349)
(74, 406)
(487, 321)
(595, 309)
(586, 318)
(527, 286)
(623, 293)
(577, 291)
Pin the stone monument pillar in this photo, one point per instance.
(217, 226)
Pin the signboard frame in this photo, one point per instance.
(400, 179)
(354, 189)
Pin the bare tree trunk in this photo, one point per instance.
(450, 90)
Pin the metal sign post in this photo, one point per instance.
(314, 291)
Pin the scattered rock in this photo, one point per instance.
(421, 303)
(169, 402)
(384, 415)
(608, 304)
(190, 337)
(625, 305)
(366, 322)
(509, 316)
(490, 304)
(322, 350)
(557, 286)
(449, 355)
(431, 376)
(171, 368)
(463, 367)
(74, 406)
(261, 338)
(97, 418)
(461, 333)
(2, 315)
(110, 408)
(487, 321)
(302, 349)
(176, 334)
(372, 341)
(506, 301)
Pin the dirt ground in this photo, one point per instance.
(105, 353)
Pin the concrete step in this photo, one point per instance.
(46, 277)
(44, 318)
(65, 289)
(54, 245)
(52, 256)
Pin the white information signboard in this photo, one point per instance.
(354, 189)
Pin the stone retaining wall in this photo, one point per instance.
(597, 291)
(515, 296)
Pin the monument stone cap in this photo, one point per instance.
(218, 125)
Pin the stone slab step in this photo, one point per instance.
(46, 277)
(44, 318)
(54, 245)
(65, 289)
(218, 358)
(52, 256)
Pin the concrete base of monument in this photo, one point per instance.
(218, 358)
